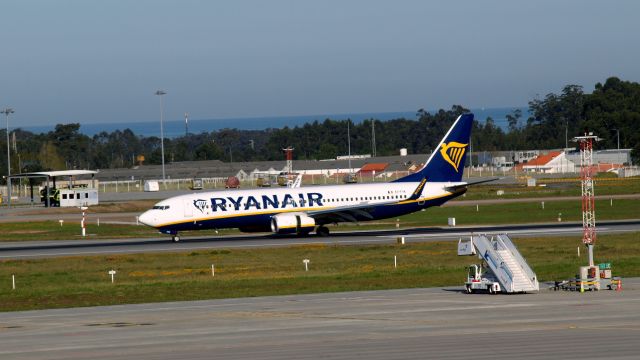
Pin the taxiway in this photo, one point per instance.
(429, 323)
(51, 248)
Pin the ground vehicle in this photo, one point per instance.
(481, 278)
(196, 184)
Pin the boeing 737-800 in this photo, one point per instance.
(302, 210)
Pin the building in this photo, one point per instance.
(608, 156)
(215, 169)
(553, 162)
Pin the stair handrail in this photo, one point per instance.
(491, 254)
(531, 276)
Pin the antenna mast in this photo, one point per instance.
(588, 196)
(373, 137)
(289, 156)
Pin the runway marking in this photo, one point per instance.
(310, 298)
(187, 247)
(119, 324)
(521, 232)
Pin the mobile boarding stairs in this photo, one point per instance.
(504, 263)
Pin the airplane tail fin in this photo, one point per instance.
(446, 163)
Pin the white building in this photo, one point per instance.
(553, 162)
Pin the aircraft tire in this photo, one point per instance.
(304, 233)
(175, 238)
(322, 231)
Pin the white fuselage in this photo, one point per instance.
(251, 207)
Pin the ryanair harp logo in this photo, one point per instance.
(200, 204)
(453, 152)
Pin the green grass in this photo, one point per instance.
(511, 213)
(531, 212)
(83, 281)
(604, 185)
(437, 216)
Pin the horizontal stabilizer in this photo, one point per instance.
(453, 188)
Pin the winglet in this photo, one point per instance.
(418, 190)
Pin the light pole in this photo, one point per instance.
(6, 112)
(618, 135)
(349, 143)
(160, 93)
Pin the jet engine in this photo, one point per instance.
(292, 223)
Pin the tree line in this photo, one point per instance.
(611, 111)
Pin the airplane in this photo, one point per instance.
(299, 211)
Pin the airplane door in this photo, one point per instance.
(188, 208)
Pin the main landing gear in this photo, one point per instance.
(322, 231)
(175, 237)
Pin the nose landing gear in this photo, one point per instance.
(174, 237)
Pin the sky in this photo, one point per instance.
(102, 61)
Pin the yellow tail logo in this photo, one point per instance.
(453, 152)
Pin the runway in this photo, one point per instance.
(392, 324)
(42, 249)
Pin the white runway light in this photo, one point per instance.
(112, 273)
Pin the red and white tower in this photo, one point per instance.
(588, 195)
(289, 155)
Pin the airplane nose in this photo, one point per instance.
(147, 218)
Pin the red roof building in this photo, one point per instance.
(549, 163)
(373, 168)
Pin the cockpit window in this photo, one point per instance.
(161, 207)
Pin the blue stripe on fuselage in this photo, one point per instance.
(263, 220)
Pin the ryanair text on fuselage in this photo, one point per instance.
(263, 203)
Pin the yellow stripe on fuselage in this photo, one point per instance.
(226, 216)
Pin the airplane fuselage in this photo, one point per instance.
(253, 209)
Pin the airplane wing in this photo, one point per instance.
(347, 213)
(351, 213)
(453, 188)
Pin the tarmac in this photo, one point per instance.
(78, 247)
(392, 324)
